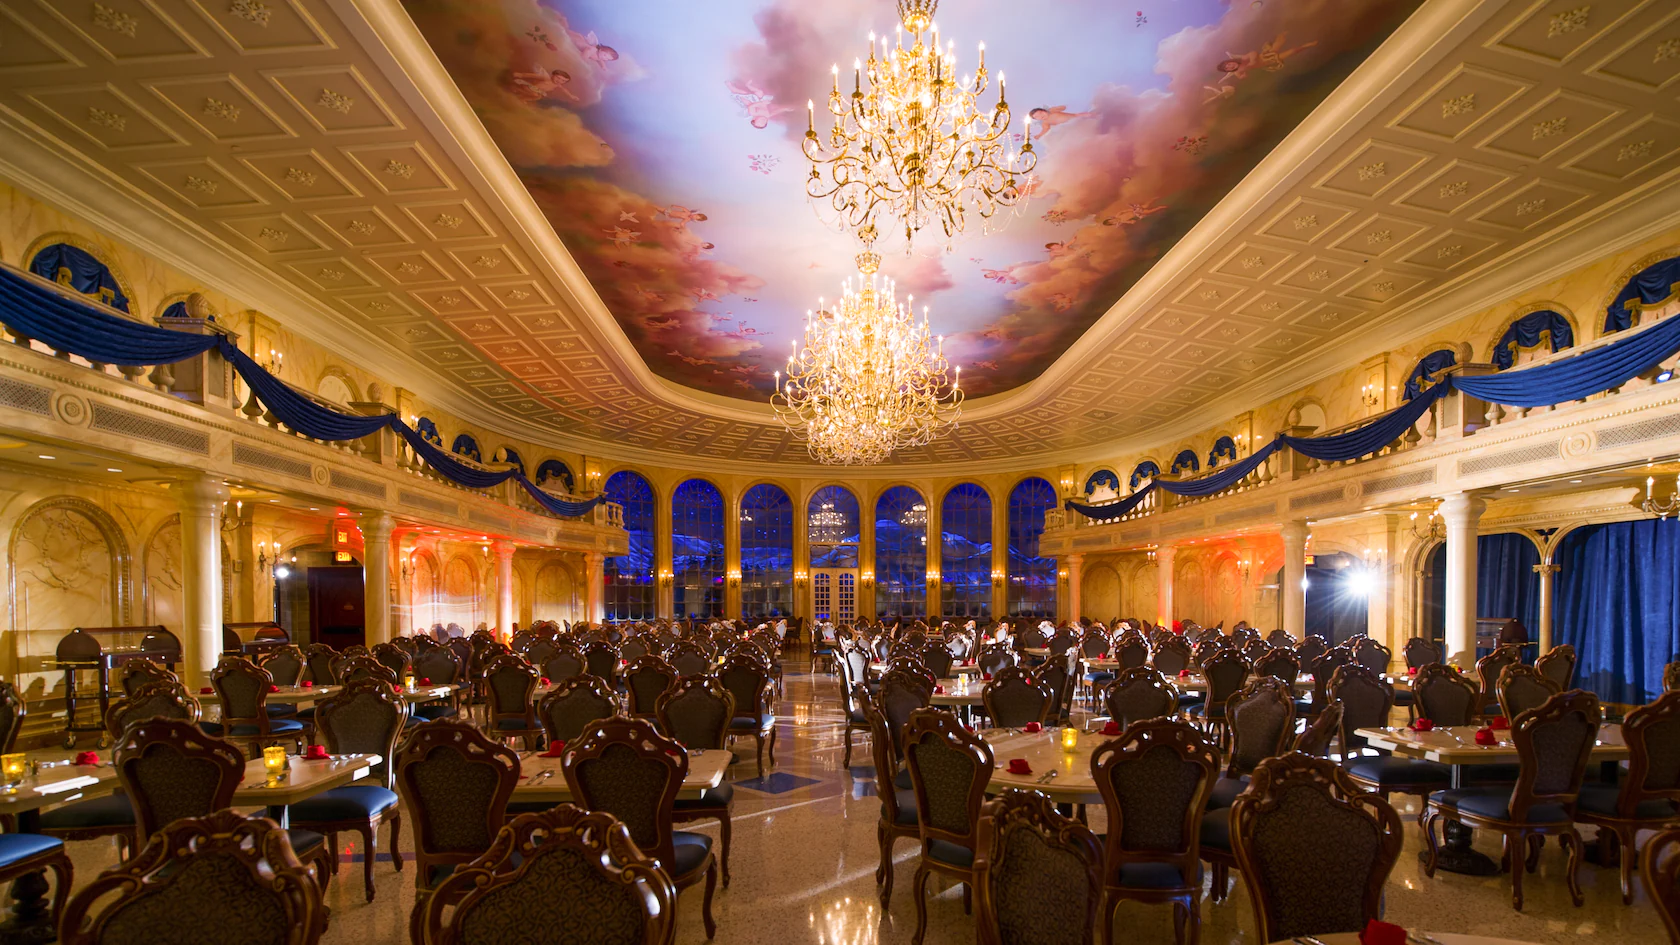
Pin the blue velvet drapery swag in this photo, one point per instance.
(1618, 603)
(1525, 332)
(1652, 285)
(70, 325)
(87, 274)
(1427, 366)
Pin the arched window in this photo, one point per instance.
(1101, 478)
(1650, 287)
(900, 553)
(77, 268)
(697, 549)
(1148, 469)
(1531, 331)
(1224, 450)
(1032, 579)
(629, 577)
(557, 472)
(766, 552)
(1422, 376)
(831, 528)
(965, 552)
(427, 428)
(1186, 459)
(508, 454)
(465, 445)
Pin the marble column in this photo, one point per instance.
(1075, 567)
(202, 498)
(503, 551)
(376, 576)
(594, 578)
(1462, 513)
(1294, 595)
(1164, 556)
(1543, 633)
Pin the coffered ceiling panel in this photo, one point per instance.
(329, 147)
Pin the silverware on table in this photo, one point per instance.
(544, 776)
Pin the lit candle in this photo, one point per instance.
(1649, 482)
(408, 682)
(274, 760)
(1070, 738)
(14, 765)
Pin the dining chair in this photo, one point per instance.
(1261, 717)
(1315, 739)
(1445, 696)
(443, 667)
(228, 877)
(1314, 849)
(567, 709)
(1055, 676)
(540, 651)
(898, 802)
(1648, 797)
(159, 699)
(318, 662)
(171, 769)
(1131, 650)
(633, 649)
(1488, 669)
(1321, 667)
(455, 782)
(242, 687)
(1014, 698)
(1420, 652)
(994, 658)
(626, 768)
(566, 874)
(748, 680)
(509, 684)
(1671, 677)
(1280, 637)
(949, 770)
(1171, 657)
(1037, 874)
(138, 672)
(1372, 655)
(645, 680)
(850, 689)
(1225, 672)
(1279, 662)
(365, 717)
(601, 659)
(1553, 743)
(392, 657)
(357, 667)
(1155, 782)
(1521, 688)
(1659, 870)
(937, 658)
(1139, 693)
(696, 711)
(284, 663)
(1367, 702)
(565, 662)
(1558, 665)
(1311, 648)
(901, 694)
(690, 657)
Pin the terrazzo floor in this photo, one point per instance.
(805, 854)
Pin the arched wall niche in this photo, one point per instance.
(68, 566)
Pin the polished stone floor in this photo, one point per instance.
(805, 854)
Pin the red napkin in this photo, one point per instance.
(1183, 674)
(1112, 728)
(1019, 766)
(1378, 932)
(544, 680)
(1485, 736)
(1033, 728)
(308, 684)
(1499, 723)
(985, 677)
(273, 688)
(87, 758)
(1410, 671)
(938, 690)
(1423, 725)
(424, 681)
(555, 750)
(206, 690)
(316, 753)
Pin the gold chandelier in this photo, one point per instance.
(827, 525)
(911, 143)
(867, 381)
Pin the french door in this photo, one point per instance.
(834, 594)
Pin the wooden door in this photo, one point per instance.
(335, 606)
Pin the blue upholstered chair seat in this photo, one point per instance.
(1216, 829)
(1155, 876)
(1225, 791)
(1387, 770)
(752, 723)
(952, 854)
(1495, 803)
(1601, 799)
(689, 850)
(435, 711)
(247, 729)
(305, 841)
(17, 847)
(112, 810)
(351, 802)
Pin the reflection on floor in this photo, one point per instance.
(805, 855)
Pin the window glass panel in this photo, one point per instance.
(766, 552)
(900, 553)
(832, 528)
(629, 577)
(1032, 579)
(965, 552)
(697, 549)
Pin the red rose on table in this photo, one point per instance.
(425, 680)
(544, 680)
(1485, 736)
(1183, 674)
(273, 688)
(1019, 766)
(985, 677)
(206, 690)
(316, 753)
(1378, 932)
(1499, 723)
(1033, 728)
(1112, 728)
(308, 684)
(1423, 725)
(555, 749)
(87, 758)
(938, 690)
(1410, 671)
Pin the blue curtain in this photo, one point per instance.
(69, 324)
(1506, 585)
(1144, 470)
(1427, 366)
(1186, 459)
(559, 472)
(1101, 477)
(465, 445)
(1219, 479)
(1618, 604)
(1575, 377)
(1525, 332)
(1223, 448)
(1653, 284)
(87, 274)
(427, 428)
(1373, 436)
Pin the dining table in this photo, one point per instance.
(1418, 938)
(1456, 746)
(1063, 774)
(540, 778)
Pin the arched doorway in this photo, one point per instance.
(1337, 585)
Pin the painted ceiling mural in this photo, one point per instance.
(661, 139)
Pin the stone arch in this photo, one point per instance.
(117, 592)
(1099, 593)
(461, 592)
(336, 385)
(554, 593)
(99, 253)
(423, 589)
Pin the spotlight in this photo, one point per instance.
(1359, 581)
(282, 572)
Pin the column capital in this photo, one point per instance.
(1295, 532)
(1075, 558)
(503, 548)
(376, 523)
(200, 490)
(1466, 507)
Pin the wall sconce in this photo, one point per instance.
(1062, 574)
(275, 364)
(933, 577)
(997, 575)
(266, 562)
(867, 577)
(1370, 394)
(734, 579)
(1244, 566)
(1433, 530)
(665, 577)
(1660, 508)
(799, 577)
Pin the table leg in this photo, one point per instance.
(1456, 855)
(280, 814)
(29, 922)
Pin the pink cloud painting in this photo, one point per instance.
(661, 139)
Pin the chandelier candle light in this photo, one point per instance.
(867, 381)
(910, 141)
